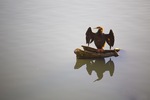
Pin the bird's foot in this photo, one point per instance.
(100, 50)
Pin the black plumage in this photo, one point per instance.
(99, 38)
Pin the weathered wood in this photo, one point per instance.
(89, 53)
(95, 50)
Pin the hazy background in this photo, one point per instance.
(38, 39)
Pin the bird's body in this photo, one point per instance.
(99, 38)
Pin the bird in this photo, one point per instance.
(100, 38)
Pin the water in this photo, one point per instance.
(37, 40)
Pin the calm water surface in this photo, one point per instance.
(37, 43)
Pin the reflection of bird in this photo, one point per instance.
(99, 38)
(98, 65)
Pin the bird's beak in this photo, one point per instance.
(95, 28)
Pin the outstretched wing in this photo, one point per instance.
(89, 36)
(110, 38)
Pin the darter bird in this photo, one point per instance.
(100, 38)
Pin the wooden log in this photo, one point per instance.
(95, 50)
(91, 53)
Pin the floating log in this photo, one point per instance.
(91, 53)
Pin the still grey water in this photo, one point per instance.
(37, 43)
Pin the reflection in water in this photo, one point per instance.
(97, 65)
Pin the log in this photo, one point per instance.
(91, 53)
(95, 50)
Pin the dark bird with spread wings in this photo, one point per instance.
(100, 38)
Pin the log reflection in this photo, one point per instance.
(97, 65)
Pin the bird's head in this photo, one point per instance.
(100, 28)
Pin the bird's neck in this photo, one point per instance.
(99, 32)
